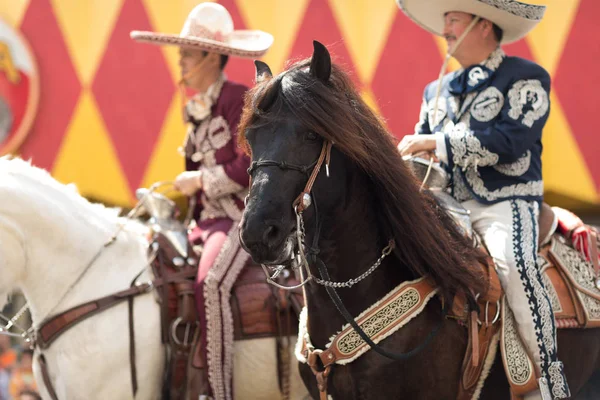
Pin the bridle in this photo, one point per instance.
(303, 201)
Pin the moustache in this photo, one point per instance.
(449, 37)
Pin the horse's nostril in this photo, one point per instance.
(271, 234)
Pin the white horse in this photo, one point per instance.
(49, 235)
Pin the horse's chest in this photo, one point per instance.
(355, 381)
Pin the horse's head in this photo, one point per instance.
(286, 127)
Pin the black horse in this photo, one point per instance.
(365, 199)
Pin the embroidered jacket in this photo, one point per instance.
(211, 146)
(489, 137)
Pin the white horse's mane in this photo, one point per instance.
(19, 176)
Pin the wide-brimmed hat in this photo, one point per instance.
(515, 18)
(209, 27)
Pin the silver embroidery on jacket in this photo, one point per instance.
(516, 168)
(487, 105)
(422, 117)
(467, 150)
(434, 120)
(528, 92)
(528, 189)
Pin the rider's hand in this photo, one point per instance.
(189, 182)
(412, 144)
(427, 155)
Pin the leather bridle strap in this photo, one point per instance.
(324, 156)
(281, 164)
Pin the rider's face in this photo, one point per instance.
(188, 60)
(455, 23)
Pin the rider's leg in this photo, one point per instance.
(212, 236)
(510, 230)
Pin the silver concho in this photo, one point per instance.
(477, 74)
(487, 105)
(529, 93)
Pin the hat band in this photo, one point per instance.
(202, 32)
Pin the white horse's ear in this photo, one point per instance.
(72, 187)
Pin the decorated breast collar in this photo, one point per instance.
(379, 321)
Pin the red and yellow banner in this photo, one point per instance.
(109, 113)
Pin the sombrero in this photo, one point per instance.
(515, 18)
(209, 27)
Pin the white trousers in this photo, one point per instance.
(509, 230)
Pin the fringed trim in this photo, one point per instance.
(302, 335)
(233, 272)
(212, 309)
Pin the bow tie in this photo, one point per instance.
(470, 80)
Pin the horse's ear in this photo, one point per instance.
(270, 96)
(263, 71)
(320, 64)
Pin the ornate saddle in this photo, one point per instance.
(570, 280)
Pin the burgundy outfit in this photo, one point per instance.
(211, 147)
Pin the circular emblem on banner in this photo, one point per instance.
(19, 88)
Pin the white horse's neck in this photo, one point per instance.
(61, 233)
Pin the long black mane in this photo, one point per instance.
(427, 240)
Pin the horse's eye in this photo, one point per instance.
(311, 135)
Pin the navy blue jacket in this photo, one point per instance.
(490, 139)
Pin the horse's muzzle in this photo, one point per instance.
(267, 241)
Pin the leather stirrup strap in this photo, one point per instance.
(46, 377)
(474, 332)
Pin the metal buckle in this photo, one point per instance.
(487, 308)
(187, 340)
(149, 286)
